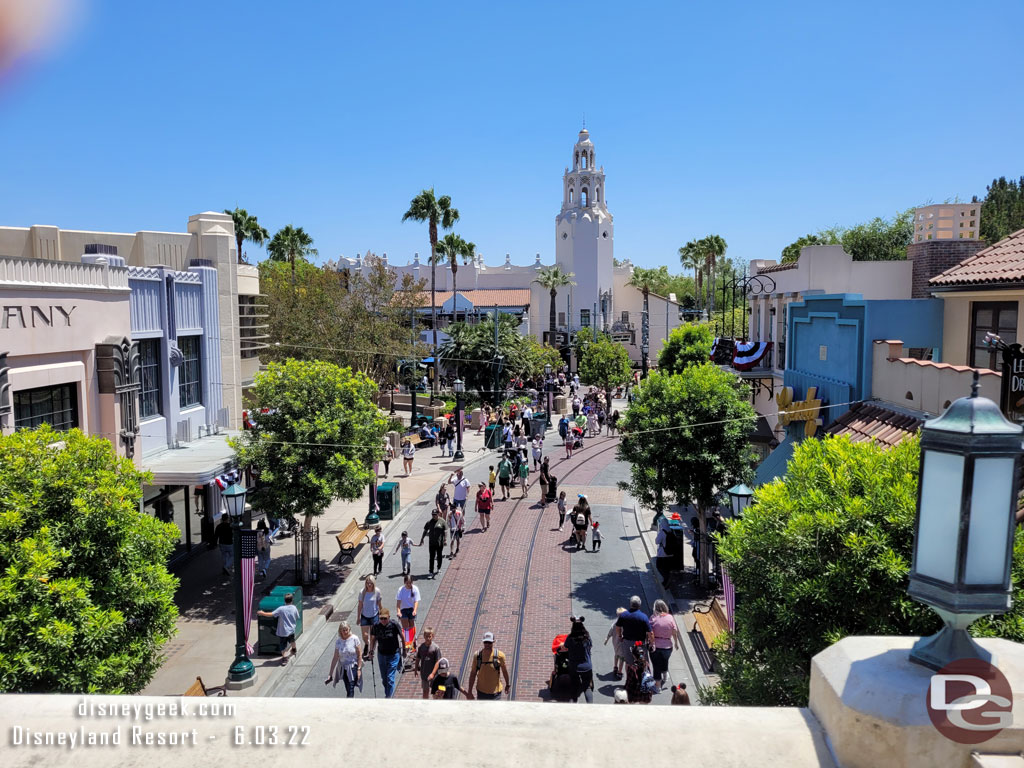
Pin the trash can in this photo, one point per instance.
(492, 437)
(538, 424)
(388, 500)
(674, 541)
(267, 642)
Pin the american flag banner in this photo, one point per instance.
(730, 599)
(248, 580)
(373, 487)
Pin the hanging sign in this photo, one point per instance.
(1011, 396)
(805, 410)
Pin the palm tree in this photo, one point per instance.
(450, 247)
(290, 243)
(246, 228)
(709, 249)
(644, 279)
(689, 256)
(426, 206)
(552, 278)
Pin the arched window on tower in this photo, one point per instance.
(570, 196)
(584, 201)
(597, 191)
(584, 161)
(576, 161)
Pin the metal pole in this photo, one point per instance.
(242, 669)
(459, 455)
(415, 371)
(550, 386)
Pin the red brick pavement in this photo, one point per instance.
(548, 604)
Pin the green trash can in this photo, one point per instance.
(267, 642)
(388, 501)
(538, 424)
(492, 437)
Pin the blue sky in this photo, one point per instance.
(759, 122)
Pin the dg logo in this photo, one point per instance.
(970, 701)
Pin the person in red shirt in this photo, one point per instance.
(484, 504)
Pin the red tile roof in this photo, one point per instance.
(868, 421)
(1002, 262)
(485, 297)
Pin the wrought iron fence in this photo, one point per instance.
(307, 555)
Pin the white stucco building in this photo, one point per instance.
(584, 246)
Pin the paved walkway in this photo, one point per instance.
(205, 640)
(519, 580)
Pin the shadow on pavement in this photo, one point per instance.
(604, 593)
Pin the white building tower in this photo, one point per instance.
(583, 240)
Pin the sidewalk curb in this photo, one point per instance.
(696, 671)
(322, 619)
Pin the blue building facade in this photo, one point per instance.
(176, 323)
(830, 348)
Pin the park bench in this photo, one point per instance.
(417, 441)
(710, 623)
(350, 538)
(198, 689)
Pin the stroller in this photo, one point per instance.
(561, 684)
(576, 436)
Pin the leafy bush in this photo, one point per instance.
(86, 601)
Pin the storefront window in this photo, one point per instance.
(149, 397)
(56, 406)
(190, 388)
(172, 504)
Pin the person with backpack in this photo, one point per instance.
(437, 530)
(448, 438)
(505, 476)
(457, 524)
(563, 427)
(639, 682)
(486, 672)
(581, 521)
(578, 645)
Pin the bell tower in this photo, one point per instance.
(584, 238)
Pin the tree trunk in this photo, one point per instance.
(238, 242)
(551, 317)
(704, 560)
(433, 299)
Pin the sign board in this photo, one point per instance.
(805, 410)
(1011, 396)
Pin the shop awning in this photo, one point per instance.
(195, 463)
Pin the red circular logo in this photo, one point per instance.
(970, 701)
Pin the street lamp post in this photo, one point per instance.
(242, 673)
(966, 514)
(549, 386)
(460, 389)
(740, 497)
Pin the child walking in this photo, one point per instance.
(561, 510)
(405, 545)
(595, 540)
(492, 477)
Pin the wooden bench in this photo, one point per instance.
(350, 538)
(198, 689)
(711, 623)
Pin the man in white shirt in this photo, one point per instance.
(461, 488)
(408, 605)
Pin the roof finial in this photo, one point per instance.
(584, 121)
(975, 384)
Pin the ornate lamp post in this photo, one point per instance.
(549, 386)
(242, 673)
(963, 534)
(460, 389)
(743, 286)
(740, 497)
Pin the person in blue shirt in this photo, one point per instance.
(563, 427)
(634, 626)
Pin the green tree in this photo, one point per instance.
(792, 251)
(1002, 210)
(705, 252)
(537, 356)
(606, 365)
(359, 319)
(551, 279)
(247, 228)
(687, 435)
(472, 347)
(690, 258)
(643, 280)
(291, 244)
(451, 247)
(825, 553)
(86, 600)
(437, 212)
(687, 345)
(316, 443)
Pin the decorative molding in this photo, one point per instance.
(119, 372)
(68, 275)
(5, 386)
(174, 355)
(144, 273)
